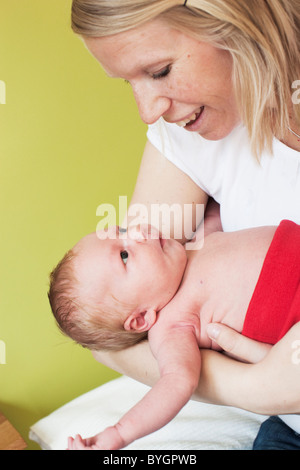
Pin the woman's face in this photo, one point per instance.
(173, 76)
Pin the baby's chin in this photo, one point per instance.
(181, 252)
(181, 260)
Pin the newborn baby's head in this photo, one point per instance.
(107, 290)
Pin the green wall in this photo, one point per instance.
(70, 140)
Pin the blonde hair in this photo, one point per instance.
(262, 36)
(92, 326)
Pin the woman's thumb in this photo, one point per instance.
(235, 344)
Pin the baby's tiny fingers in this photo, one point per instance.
(80, 443)
(70, 443)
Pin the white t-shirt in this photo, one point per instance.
(251, 193)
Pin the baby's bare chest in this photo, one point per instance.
(220, 295)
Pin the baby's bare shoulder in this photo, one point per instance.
(247, 239)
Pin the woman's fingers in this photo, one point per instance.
(236, 345)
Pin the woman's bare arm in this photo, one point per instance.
(271, 385)
(160, 182)
(268, 387)
(223, 380)
(162, 187)
(256, 387)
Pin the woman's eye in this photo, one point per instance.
(124, 256)
(162, 73)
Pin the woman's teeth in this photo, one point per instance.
(190, 119)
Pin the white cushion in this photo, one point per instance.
(197, 426)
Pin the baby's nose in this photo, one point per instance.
(112, 233)
(143, 232)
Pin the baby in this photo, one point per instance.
(110, 293)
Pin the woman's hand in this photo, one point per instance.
(272, 382)
(236, 345)
(269, 385)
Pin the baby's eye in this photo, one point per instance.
(124, 256)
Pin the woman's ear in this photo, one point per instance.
(140, 321)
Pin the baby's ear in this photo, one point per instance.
(140, 321)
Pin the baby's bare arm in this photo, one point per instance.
(178, 358)
(179, 376)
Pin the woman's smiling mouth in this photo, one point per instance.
(191, 119)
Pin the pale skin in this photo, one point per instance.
(271, 383)
(215, 287)
(258, 386)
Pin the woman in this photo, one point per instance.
(226, 72)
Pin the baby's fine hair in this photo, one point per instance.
(92, 326)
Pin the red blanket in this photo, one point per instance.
(275, 304)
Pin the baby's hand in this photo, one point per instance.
(78, 443)
(109, 439)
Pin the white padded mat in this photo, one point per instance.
(197, 427)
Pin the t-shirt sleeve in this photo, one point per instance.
(251, 192)
(189, 152)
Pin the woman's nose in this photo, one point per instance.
(151, 104)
